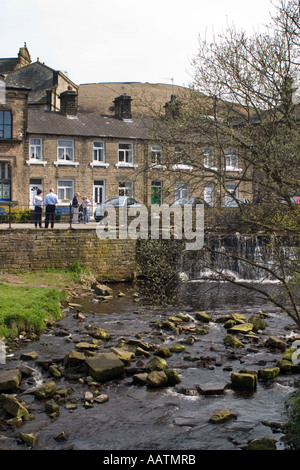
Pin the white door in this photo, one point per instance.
(33, 187)
(209, 193)
(98, 193)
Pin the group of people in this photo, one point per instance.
(50, 202)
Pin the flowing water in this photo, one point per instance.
(173, 418)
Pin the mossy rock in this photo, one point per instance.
(162, 351)
(262, 444)
(257, 322)
(46, 390)
(222, 416)
(240, 381)
(157, 379)
(101, 333)
(177, 348)
(173, 377)
(203, 317)
(156, 363)
(232, 342)
(241, 328)
(30, 439)
(275, 343)
(268, 373)
(238, 317)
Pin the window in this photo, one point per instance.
(208, 157)
(126, 188)
(65, 189)
(233, 189)
(99, 152)
(209, 193)
(5, 125)
(35, 149)
(156, 192)
(231, 160)
(181, 191)
(65, 150)
(5, 181)
(156, 156)
(125, 153)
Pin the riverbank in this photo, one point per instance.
(124, 412)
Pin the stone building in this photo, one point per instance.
(48, 139)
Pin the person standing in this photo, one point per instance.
(50, 202)
(38, 208)
(75, 207)
(86, 209)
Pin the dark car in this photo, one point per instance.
(120, 201)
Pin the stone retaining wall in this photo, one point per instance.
(27, 249)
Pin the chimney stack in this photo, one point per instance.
(68, 103)
(123, 107)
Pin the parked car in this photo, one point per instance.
(120, 201)
(236, 202)
(188, 201)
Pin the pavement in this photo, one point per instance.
(57, 226)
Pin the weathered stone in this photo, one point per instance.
(142, 352)
(83, 346)
(157, 378)
(232, 342)
(102, 398)
(12, 406)
(30, 439)
(29, 355)
(140, 379)
(268, 373)
(203, 317)
(102, 289)
(211, 388)
(62, 436)
(162, 351)
(156, 363)
(221, 416)
(51, 407)
(74, 359)
(101, 333)
(262, 444)
(10, 380)
(173, 377)
(241, 328)
(241, 381)
(105, 366)
(54, 370)
(257, 322)
(136, 343)
(238, 317)
(122, 354)
(46, 390)
(177, 348)
(275, 343)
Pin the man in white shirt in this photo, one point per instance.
(50, 202)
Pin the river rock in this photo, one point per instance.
(46, 390)
(156, 363)
(262, 444)
(241, 328)
(83, 346)
(102, 398)
(123, 354)
(104, 366)
(52, 408)
(257, 322)
(140, 379)
(173, 377)
(163, 351)
(10, 380)
(29, 355)
(232, 342)
(30, 439)
(275, 343)
(157, 378)
(268, 373)
(221, 416)
(212, 388)
(12, 406)
(102, 289)
(101, 333)
(203, 317)
(177, 348)
(74, 359)
(240, 381)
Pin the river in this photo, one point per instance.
(173, 418)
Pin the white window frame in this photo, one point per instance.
(63, 148)
(99, 154)
(181, 191)
(126, 188)
(125, 155)
(36, 152)
(231, 188)
(231, 160)
(65, 187)
(209, 158)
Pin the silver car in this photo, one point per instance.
(119, 201)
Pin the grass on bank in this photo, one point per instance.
(29, 300)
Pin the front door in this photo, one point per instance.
(99, 193)
(34, 185)
(156, 192)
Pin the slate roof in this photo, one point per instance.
(7, 65)
(87, 125)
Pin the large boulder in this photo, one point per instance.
(104, 366)
(46, 390)
(10, 380)
(243, 381)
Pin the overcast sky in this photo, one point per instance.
(122, 40)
